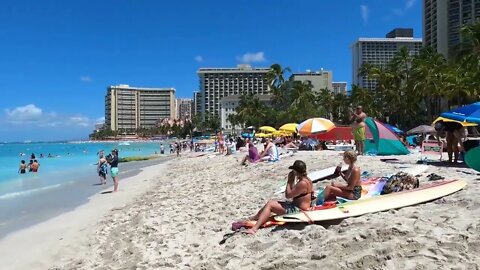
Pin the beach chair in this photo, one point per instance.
(431, 150)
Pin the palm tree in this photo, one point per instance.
(276, 80)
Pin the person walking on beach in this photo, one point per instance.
(455, 135)
(23, 167)
(177, 145)
(353, 189)
(162, 150)
(358, 129)
(102, 168)
(114, 169)
(221, 142)
(300, 192)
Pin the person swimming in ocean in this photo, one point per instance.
(23, 167)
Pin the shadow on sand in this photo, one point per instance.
(106, 192)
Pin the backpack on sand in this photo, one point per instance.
(400, 181)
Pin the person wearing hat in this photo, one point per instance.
(455, 135)
(300, 192)
(353, 189)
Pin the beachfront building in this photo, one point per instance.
(443, 20)
(128, 108)
(339, 87)
(197, 104)
(229, 104)
(379, 51)
(184, 108)
(217, 83)
(321, 79)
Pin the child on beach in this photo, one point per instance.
(300, 192)
(23, 167)
(353, 189)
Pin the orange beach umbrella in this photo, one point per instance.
(315, 126)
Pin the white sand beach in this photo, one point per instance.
(176, 220)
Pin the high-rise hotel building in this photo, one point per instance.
(184, 108)
(379, 51)
(443, 20)
(217, 83)
(128, 108)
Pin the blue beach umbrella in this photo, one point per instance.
(469, 113)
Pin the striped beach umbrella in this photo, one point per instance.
(315, 126)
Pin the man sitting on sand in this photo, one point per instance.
(270, 151)
(353, 189)
(300, 192)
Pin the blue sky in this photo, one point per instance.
(58, 57)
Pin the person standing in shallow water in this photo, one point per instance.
(114, 169)
(102, 168)
(23, 167)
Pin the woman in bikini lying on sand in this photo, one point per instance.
(353, 189)
(301, 193)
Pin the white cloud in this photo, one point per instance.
(78, 121)
(199, 58)
(402, 11)
(364, 12)
(24, 114)
(252, 57)
(100, 120)
(85, 79)
(409, 4)
(33, 115)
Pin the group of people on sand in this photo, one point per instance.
(269, 153)
(102, 167)
(300, 190)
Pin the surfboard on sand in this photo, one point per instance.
(424, 193)
(315, 176)
(472, 158)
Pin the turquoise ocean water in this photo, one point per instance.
(71, 162)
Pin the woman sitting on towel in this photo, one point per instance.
(300, 192)
(353, 189)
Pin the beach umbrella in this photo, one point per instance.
(315, 126)
(290, 127)
(422, 129)
(261, 135)
(469, 113)
(267, 129)
(465, 124)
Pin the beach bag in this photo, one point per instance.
(399, 182)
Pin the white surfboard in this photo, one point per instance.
(424, 193)
(315, 176)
